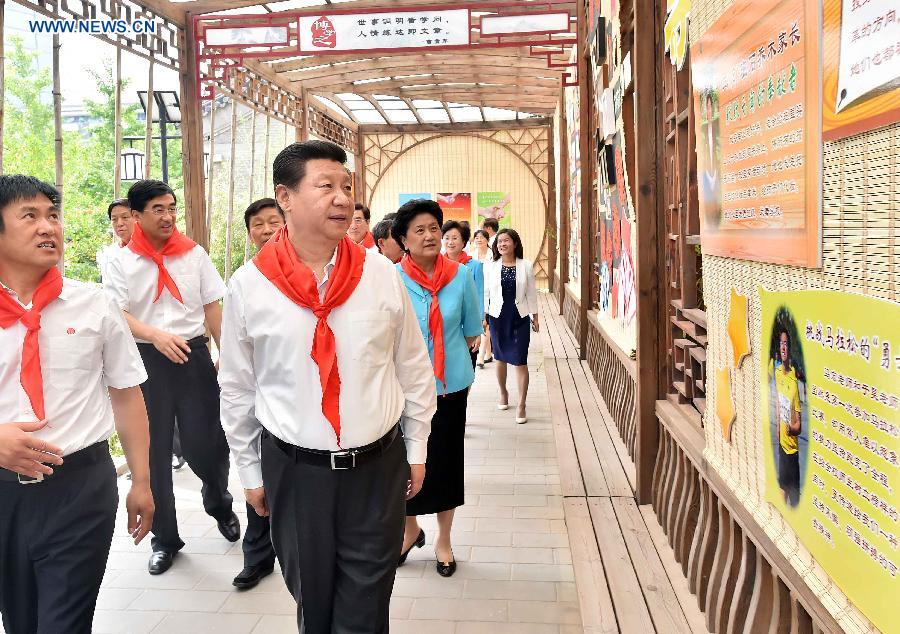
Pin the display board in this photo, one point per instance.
(830, 402)
(756, 90)
(456, 206)
(494, 205)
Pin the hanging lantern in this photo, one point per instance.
(132, 164)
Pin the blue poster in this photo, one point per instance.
(405, 198)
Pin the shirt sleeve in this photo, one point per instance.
(478, 270)
(472, 309)
(237, 380)
(416, 377)
(486, 285)
(116, 284)
(212, 288)
(122, 364)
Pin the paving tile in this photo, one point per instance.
(504, 554)
(458, 609)
(182, 578)
(513, 525)
(179, 601)
(513, 590)
(251, 602)
(566, 591)
(272, 624)
(544, 612)
(125, 621)
(401, 606)
(540, 540)
(542, 572)
(208, 623)
(421, 627)
(468, 627)
(118, 598)
(437, 587)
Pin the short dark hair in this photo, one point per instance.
(483, 233)
(382, 231)
(144, 191)
(257, 206)
(493, 223)
(390, 216)
(515, 238)
(289, 166)
(410, 210)
(463, 229)
(366, 213)
(16, 187)
(118, 202)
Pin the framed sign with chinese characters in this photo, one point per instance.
(385, 31)
(758, 126)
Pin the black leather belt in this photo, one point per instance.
(77, 460)
(337, 460)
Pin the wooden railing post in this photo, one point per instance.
(587, 181)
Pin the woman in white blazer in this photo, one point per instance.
(510, 300)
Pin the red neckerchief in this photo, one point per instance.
(368, 241)
(278, 261)
(444, 272)
(11, 311)
(177, 244)
(463, 258)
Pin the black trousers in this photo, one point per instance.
(257, 544)
(190, 392)
(338, 536)
(54, 542)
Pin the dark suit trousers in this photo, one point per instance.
(190, 392)
(54, 542)
(338, 536)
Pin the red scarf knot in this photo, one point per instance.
(177, 244)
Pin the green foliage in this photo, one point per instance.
(88, 163)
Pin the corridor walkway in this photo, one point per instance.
(515, 573)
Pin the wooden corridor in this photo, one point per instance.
(625, 572)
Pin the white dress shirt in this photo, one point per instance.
(105, 256)
(132, 284)
(269, 380)
(85, 346)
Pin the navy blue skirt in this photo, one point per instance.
(510, 335)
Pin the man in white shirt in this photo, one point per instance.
(122, 223)
(321, 357)
(69, 376)
(359, 228)
(170, 292)
(385, 242)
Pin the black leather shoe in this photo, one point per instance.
(230, 528)
(420, 541)
(250, 576)
(446, 570)
(160, 561)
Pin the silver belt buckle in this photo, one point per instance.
(29, 479)
(342, 454)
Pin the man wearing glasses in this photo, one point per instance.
(170, 291)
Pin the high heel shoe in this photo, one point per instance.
(446, 570)
(504, 406)
(420, 541)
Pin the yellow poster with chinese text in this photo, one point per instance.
(830, 406)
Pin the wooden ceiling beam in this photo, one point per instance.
(392, 66)
(208, 6)
(487, 76)
(450, 83)
(521, 52)
(535, 122)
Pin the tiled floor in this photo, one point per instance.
(514, 575)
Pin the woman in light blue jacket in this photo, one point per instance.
(455, 238)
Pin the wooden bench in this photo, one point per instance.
(626, 575)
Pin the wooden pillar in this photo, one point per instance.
(117, 122)
(303, 131)
(229, 220)
(587, 181)
(148, 129)
(361, 168)
(252, 185)
(565, 215)
(192, 141)
(552, 227)
(649, 260)
(58, 145)
(267, 182)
